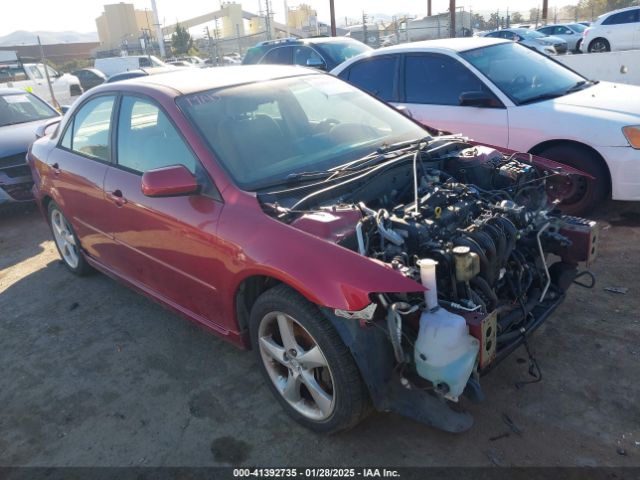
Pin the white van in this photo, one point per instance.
(112, 65)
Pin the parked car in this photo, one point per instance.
(324, 53)
(32, 77)
(21, 113)
(284, 210)
(503, 94)
(112, 65)
(616, 30)
(548, 45)
(141, 72)
(89, 77)
(569, 32)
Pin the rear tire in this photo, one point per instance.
(305, 363)
(599, 45)
(585, 193)
(66, 241)
(577, 50)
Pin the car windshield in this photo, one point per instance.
(23, 107)
(522, 74)
(338, 52)
(264, 132)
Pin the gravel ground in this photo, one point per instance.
(92, 373)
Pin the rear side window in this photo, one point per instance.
(278, 56)
(546, 30)
(376, 76)
(148, 140)
(629, 16)
(88, 133)
(438, 80)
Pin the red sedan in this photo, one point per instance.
(288, 212)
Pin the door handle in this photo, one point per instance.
(117, 198)
(56, 168)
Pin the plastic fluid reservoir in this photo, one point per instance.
(445, 353)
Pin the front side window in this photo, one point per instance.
(522, 74)
(278, 56)
(88, 132)
(23, 107)
(264, 131)
(35, 72)
(144, 62)
(148, 140)
(438, 80)
(302, 54)
(376, 76)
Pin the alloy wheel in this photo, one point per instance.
(64, 239)
(296, 365)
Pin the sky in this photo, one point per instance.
(80, 15)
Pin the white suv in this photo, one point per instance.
(617, 30)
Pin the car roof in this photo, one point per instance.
(11, 91)
(443, 45)
(191, 80)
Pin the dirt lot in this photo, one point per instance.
(94, 374)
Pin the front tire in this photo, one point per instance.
(66, 241)
(583, 194)
(599, 45)
(305, 363)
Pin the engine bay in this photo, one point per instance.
(479, 229)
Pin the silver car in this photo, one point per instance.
(532, 39)
(569, 32)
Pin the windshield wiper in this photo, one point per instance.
(581, 85)
(381, 153)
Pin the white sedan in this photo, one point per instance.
(501, 93)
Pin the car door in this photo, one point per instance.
(80, 162)
(620, 29)
(431, 86)
(167, 245)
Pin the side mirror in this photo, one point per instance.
(169, 182)
(64, 108)
(316, 63)
(476, 99)
(41, 131)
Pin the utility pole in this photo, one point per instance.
(508, 18)
(46, 74)
(286, 18)
(267, 19)
(545, 11)
(428, 8)
(156, 23)
(238, 38)
(332, 11)
(364, 28)
(452, 11)
(498, 19)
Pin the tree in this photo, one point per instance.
(181, 41)
(594, 8)
(516, 18)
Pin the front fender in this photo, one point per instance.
(325, 273)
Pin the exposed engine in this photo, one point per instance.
(477, 228)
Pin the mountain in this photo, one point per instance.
(22, 37)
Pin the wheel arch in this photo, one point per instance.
(541, 147)
(245, 296)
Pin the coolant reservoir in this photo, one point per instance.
(445, 353)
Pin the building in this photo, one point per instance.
(121, 25)
(304, 18)
(232, 20)
(57, 53)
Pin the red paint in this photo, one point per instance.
(168, 181)
(191, 252)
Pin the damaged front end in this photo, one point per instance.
(479, 230)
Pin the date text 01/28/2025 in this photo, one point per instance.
(315, 473)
